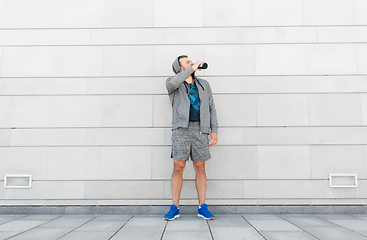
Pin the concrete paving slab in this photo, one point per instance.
(101, 226)
(363, 232)
(146, 222)
(351, 224)
(88, 236)
(5, 235)
(308, 221)
(187, 223)
(287, 235)
(41, 217)
(261, 216)
(235, 233)
(111, 217)
(273, 225)
(19, 225)
(43, 234)
(137, 233)
(334, 233)
(230, 220)
(336, 216)
(173, 235)
(67, 222)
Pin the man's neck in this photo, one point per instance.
(190, 79)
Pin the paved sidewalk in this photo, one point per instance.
(187, 227)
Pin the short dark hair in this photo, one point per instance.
(182, 56)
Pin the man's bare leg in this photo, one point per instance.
(200, 180)
(176, 181)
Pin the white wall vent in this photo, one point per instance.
(343, 180)
(17, 181)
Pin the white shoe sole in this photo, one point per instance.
(199, 215)
(177, 216)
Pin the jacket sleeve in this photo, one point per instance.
(174, 82)
(213, 113)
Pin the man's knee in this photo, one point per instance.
(199, 166)
(179, 166)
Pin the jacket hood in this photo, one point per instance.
(176, 66)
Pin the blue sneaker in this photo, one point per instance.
(204, 212)
(173, 213)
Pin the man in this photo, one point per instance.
(194, 127)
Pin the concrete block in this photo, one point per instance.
(243, 115)
(123, 189)
(4, 137)
(362, 58)
(58, 190)
(279, 35)
(25, 111)
(284, 162)
(344, 135)
(342, 34)
(174, 14)
(54, 36)
(24, 161)
(162, 163)
(328, 12)
(335, 109)
(282, 110)
(27, 61)
(34, 14)
(224, 84)
(230, 136)
(162, 111)
(360, 17)
(284, 189)
(347, 193)
(232, 162)
(165, 55)
(278, 13)
(8, 37)
(46, 86)
(48, 137)
(5, 84)
(280, 59)
(282, 135)
(362, 185)
(128, 36)
(127, 61)
(279, 84)
(1, 61)
(218, 57)
(2, 13)
(128, 14)
(331, 59)
(342, 84)
(203, 35)
(75, 111)
(127, 111)
(73, 163)
(125, 163)
(77, 61)
(225, 189)
(143, 85)
(129, 136)
(78, 14)
(337, 159)
(233, 13)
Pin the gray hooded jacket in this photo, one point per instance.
(178, 90)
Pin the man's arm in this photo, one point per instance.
(213, 138)
(173, 82)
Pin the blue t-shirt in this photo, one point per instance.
(194, 103)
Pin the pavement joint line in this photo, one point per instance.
(210, 230)
(121, 227)
(298, 227)
(343, 226)
(164, 230)
(77, 227)
(30, 228)
(253, 227)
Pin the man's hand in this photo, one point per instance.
(213, 139)
(196, 65)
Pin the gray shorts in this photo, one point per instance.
(190, 142)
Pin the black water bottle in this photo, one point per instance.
(203, 66)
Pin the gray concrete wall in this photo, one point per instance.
(84, 110)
